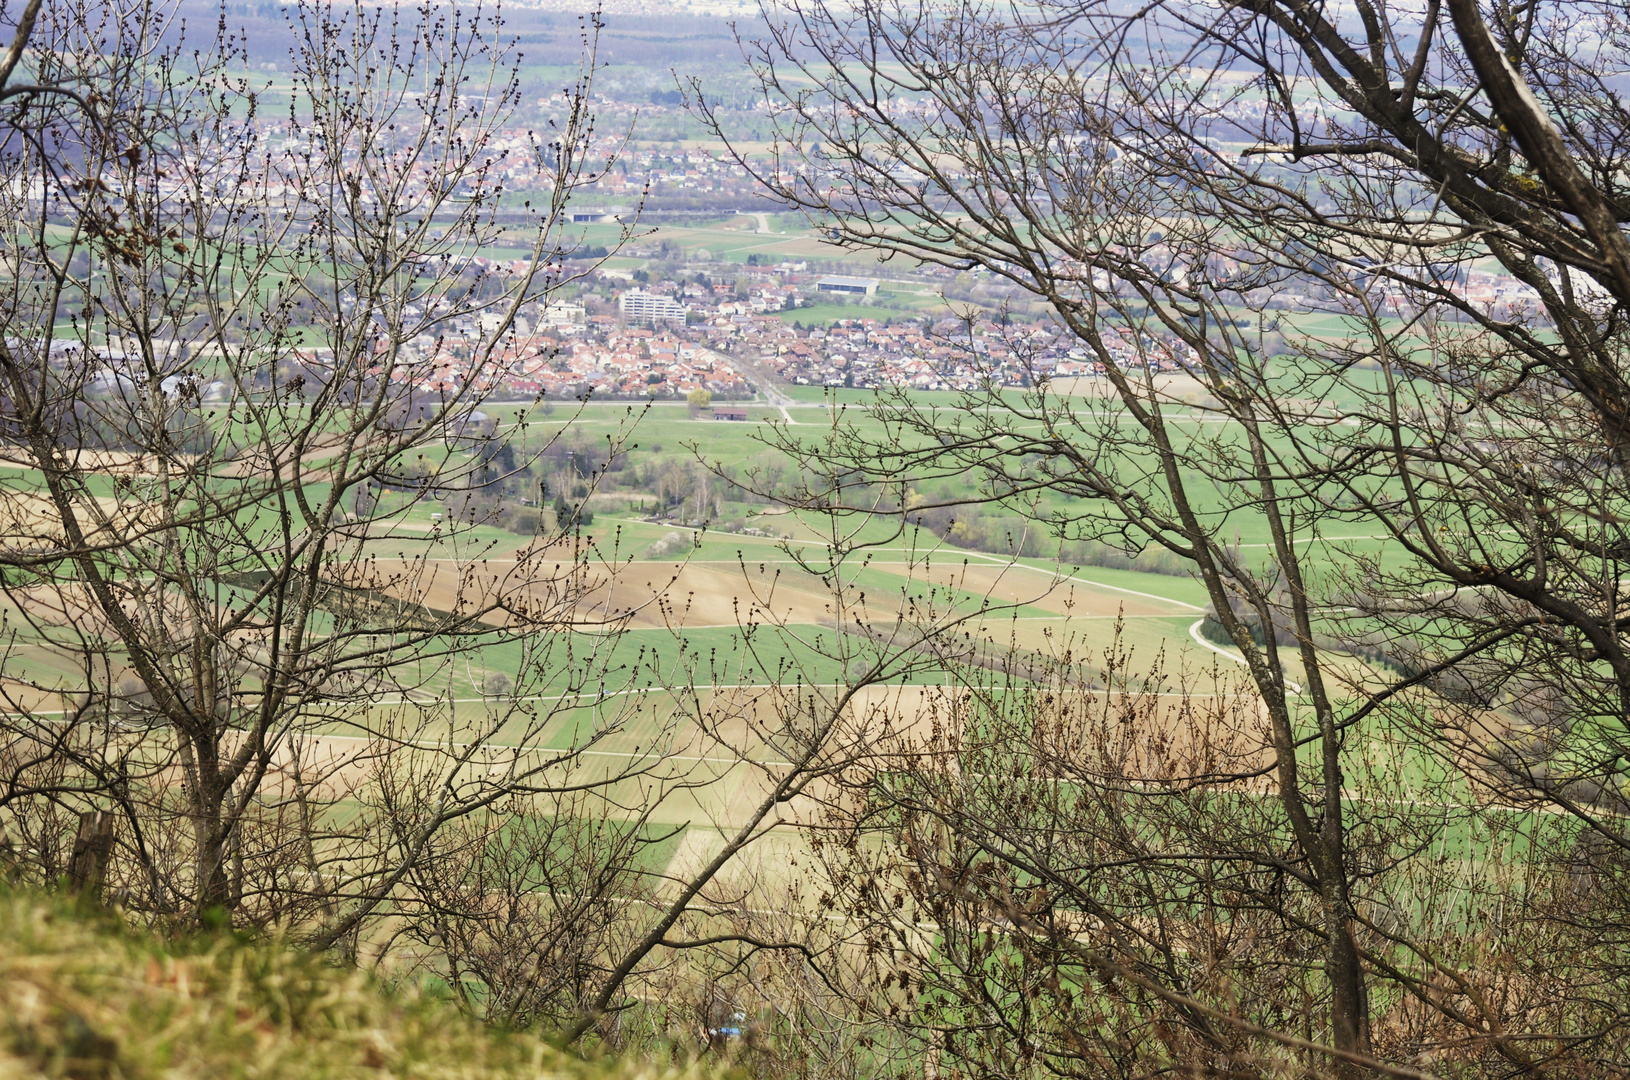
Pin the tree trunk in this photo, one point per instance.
(1349, 998)
(212, 888)
(93, 846)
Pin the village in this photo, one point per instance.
(652, 345)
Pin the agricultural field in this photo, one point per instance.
(705, 599)
(698, 621)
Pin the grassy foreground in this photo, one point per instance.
(83, 997)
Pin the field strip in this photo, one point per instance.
(567, 754)
(985, 559)
(1131, 592)
(680, 625)
(664, 690)
(1319, 540)
(926, 555)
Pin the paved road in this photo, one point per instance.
(764, 377)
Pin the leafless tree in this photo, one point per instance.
(1422, 868)
(253, 608)
(249, 332)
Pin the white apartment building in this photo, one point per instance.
(639, 306)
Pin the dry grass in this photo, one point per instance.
(81, 996)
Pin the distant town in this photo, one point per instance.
(629, 335)
(668, 340)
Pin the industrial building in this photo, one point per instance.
(854, 286)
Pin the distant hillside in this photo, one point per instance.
(83, 997)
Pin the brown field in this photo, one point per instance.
(17, 696)
(67, 605)
(678, 594)
(132, 463)
(713, 786)
(111, 462)
(649, 595)
(1146, 733)
(1140, 738)
(1169, 387)
(28, 515)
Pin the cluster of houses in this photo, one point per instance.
(625, 361)
(869, 353)
(555, 351)
(609, 360)
(641, 352)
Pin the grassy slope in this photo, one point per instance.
(81, 996)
